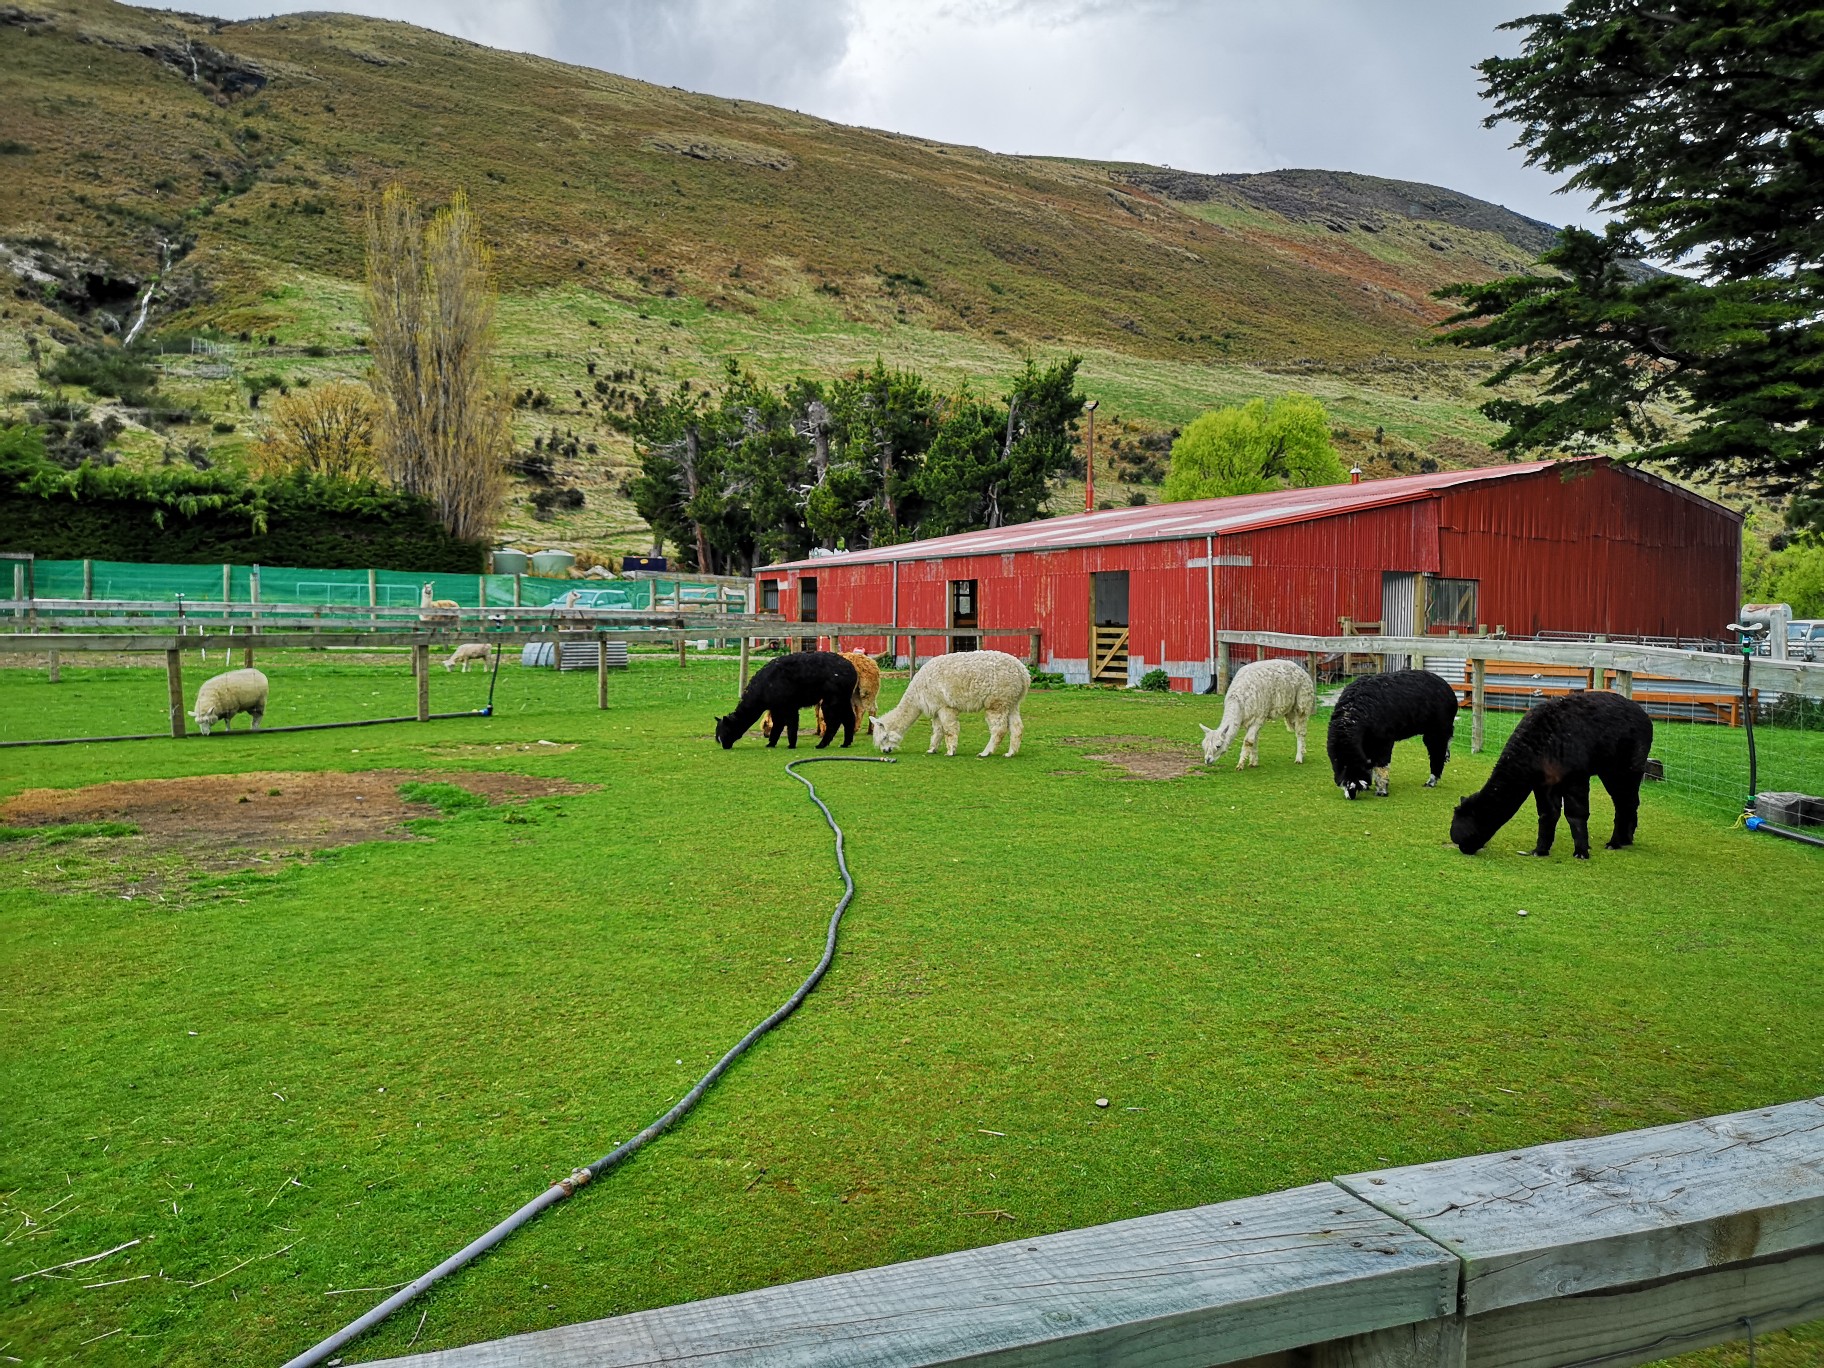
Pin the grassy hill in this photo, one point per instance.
(657, 231)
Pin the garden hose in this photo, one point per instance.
(564, 1187)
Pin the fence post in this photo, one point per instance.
(1478, 702)
(373, 594)
(1624, 683)
(18, 587)
(1442, 1343)
(746, 645)
(174, 686)
(1222, 667)
(88, 579)
(912, 652)
(56, 667)
(421, 668)
(601, 672)
(1311, 666)
(681, 645)
(516, 580)
(227, 584)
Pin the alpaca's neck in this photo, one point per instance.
(747, 711)
(907, 711)
(1507, 789)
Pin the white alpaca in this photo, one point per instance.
(426, 605)
(988, 682)
(468, 651)
(220, 698)
(1257, 694)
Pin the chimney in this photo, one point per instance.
(1355, 474)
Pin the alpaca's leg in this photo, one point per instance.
(947, 717)
(791, 730)
(937, 733)
(1381, 777)
(1299, 732)
(1548, 800)
(997, 726)
(1015, 726)
(1576, 792)
(1250, 751)
(1437, 746)
(1624, 790)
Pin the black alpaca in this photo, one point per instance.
(783, 686)
(1378, 710)
(1551, 755)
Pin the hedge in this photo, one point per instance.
(192, 517)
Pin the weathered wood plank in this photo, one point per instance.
(1583, 1215)
(1436, 1343)
(1643, 1324)
(1724, 671)
(1186, 1289)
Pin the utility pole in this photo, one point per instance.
(1089, 466)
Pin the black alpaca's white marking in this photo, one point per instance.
(1551, 755)
(1376, 711)
(800, 680)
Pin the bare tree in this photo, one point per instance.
(444, 418)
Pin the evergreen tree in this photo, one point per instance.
(1700, 125)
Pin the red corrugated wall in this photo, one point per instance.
(1589, 548)
(1600, 551)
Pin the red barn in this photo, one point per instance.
(1582, 545)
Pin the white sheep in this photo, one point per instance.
(990, 682)
(224, 695)
(468, 651)
(1258, 693)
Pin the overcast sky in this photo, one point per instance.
(1381, 86)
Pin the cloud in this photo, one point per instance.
(1207, 85)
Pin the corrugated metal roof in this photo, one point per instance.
(1170, 522)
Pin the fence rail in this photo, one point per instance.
(1611, 1251)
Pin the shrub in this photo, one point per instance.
(222, 427)
(328, 430)
(107, 371)
(1156, 681)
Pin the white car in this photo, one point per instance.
(1805, 639)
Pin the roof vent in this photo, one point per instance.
(1355, 474)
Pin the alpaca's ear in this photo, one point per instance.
(1207, 731)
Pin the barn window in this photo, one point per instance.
(807, 599)
(769, 596)
(1450, 603)
(963, 613)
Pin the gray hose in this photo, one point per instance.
(564, 1187)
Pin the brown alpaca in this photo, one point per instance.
(867, 693)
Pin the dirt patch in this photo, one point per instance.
(1143, 757)
(228, 821)
(454, 751)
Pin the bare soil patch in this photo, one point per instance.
(228, 820)
(460, 751)
(1143, 757)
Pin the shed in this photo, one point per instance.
(1577, 546)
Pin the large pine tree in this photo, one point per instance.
(1699, 125)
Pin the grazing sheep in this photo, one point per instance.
(989, 682)
(788, 683)
(224, 695)
(1377, 710)
(1260, 692)
(867, 693)
(467, 652)
(1553, 752)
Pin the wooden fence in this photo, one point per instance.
(1608, 661)
(1610, 1251)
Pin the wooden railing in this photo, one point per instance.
(1615, 661)
(1610, 1251)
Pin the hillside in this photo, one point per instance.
(656, 231)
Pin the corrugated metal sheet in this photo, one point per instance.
(1594, 548)
(1167, 522)
(1574, 547)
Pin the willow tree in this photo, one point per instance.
(1253, 447)
(443, 429)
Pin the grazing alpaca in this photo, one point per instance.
(786, 684)
(1377, 710)
(988, 682)
(1552, 754)
(1259, 693)
(867, 693)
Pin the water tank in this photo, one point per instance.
(552, 564)
(507, 561)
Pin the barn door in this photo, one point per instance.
(1108, 627)
(964, 612)
(1399, 603)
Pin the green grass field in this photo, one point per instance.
(329, 1073)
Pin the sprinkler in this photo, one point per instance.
(1750, 633)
